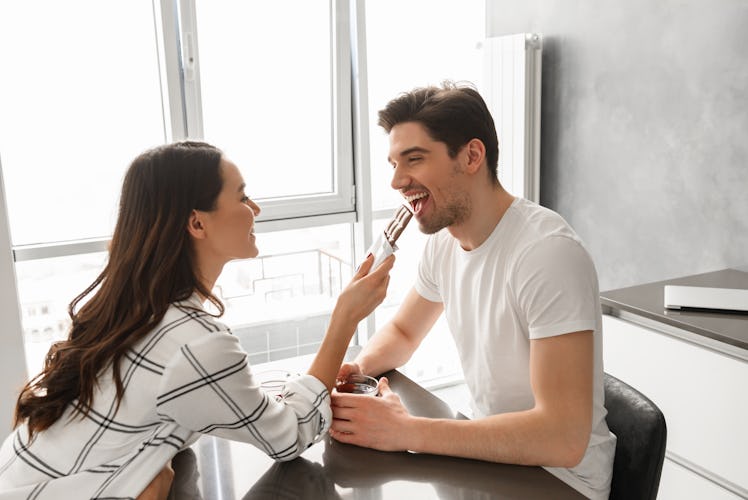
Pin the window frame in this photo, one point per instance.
(13, 372)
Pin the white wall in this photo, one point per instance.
(12, 357)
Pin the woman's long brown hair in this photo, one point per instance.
(150, 265)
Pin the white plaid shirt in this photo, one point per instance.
(188, 377)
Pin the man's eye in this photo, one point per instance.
(415, 158)
(245, 198)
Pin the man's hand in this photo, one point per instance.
(158, 489)
(381, 423)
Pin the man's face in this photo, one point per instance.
(428, 178)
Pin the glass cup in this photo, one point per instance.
(272, 381)
(357, 383)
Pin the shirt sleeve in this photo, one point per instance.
(555, 285)
(208, 387)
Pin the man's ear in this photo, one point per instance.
(195, 225)
(476, 155)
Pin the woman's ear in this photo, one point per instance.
(195, 225)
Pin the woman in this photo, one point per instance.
(146, 370)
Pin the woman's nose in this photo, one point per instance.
(255, 208)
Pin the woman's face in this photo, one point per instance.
(229, 228)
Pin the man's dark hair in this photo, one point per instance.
(453, 114)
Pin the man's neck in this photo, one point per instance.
(487, 210)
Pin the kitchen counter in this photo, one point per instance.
(645, 303)
(693, 364)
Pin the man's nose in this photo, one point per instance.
(399, 179)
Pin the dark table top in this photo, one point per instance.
(215, 468)
(648, 300)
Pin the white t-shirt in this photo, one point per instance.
(188, 377)
(530, 279)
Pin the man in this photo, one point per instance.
(520, 295)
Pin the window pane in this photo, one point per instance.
(279, 303)
(441, 45)
(80, 97)
(266, 87)
(45, 288)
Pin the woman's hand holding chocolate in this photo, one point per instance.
(366, 290)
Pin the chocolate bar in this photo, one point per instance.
(397, 225)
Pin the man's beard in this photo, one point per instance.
(456, 212)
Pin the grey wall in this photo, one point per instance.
(644, 129)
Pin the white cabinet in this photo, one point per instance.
(680, 483)
(704, 397)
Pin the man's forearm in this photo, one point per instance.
(386, 350)
(526, 438)
(555, 432)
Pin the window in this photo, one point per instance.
(274, 94)
(279, 303)
(79, 100)
(46, 287)
(84, 98)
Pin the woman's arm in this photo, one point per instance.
(208, 387)
(362, 295)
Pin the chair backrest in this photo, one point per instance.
(640, 428)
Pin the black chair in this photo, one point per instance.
(640, 428)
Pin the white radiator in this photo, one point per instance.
(511, 88)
